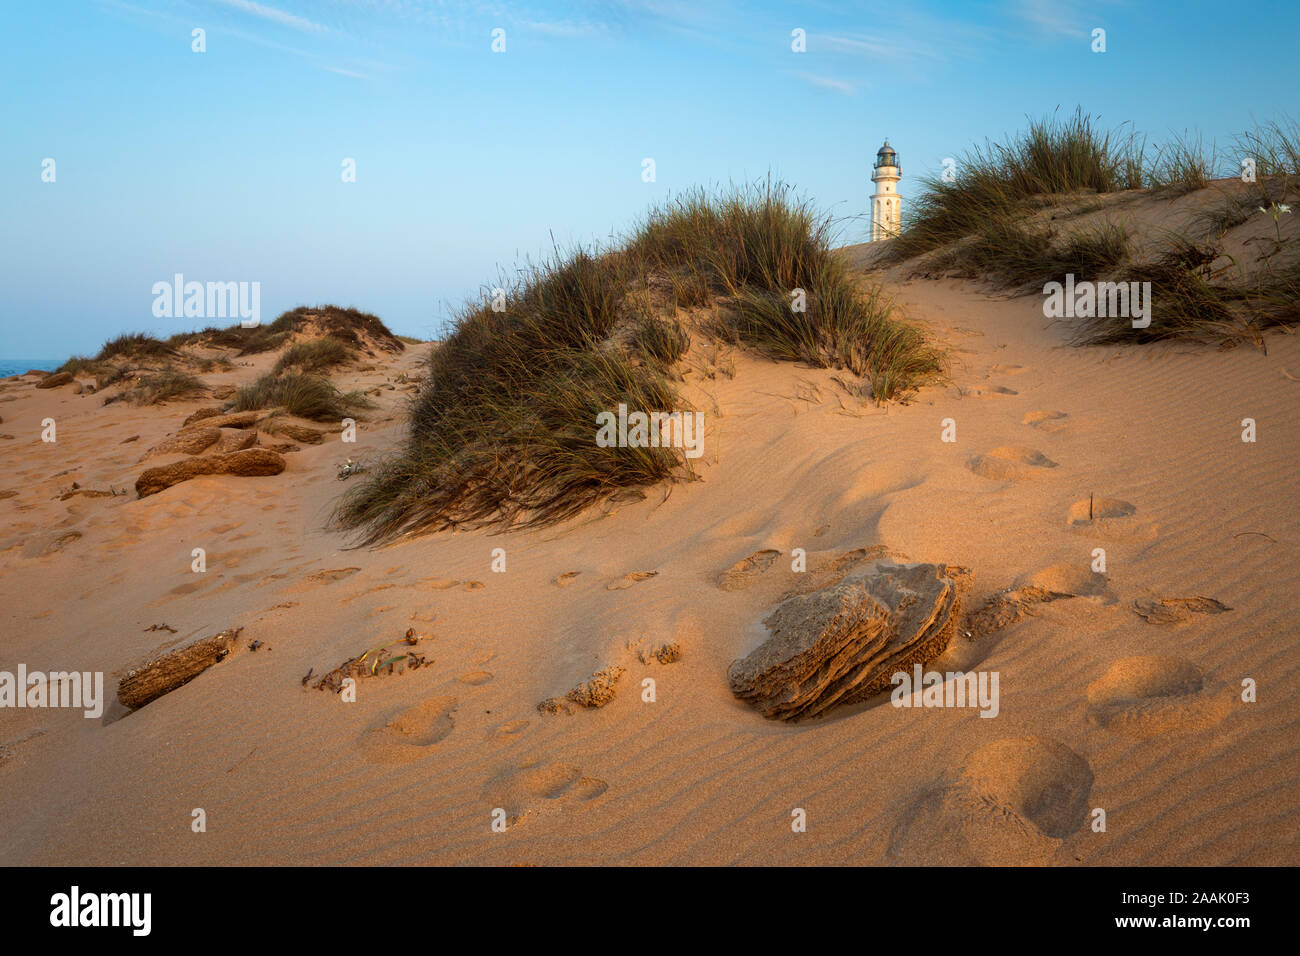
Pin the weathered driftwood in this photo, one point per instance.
(165, 673)
(845, 642)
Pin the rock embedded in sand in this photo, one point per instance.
(597, 690)
(201, 414)
(165, 673)
(252, 462)
(233, 420)
(233, 439)
(845, 642)
(55, 380)
(308, 436)
(189, 442)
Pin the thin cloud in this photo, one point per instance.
(276, 15)
(828, 83)
(1058, 17)
(562, 28)
(874, 46)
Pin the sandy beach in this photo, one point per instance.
(1121, 691)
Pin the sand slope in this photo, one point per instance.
(1099, 707)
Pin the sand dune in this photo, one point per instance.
(1059, 451)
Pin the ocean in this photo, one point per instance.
(18, 366)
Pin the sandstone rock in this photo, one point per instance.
(251, 462)
(845, 642)
(232, 420)
(233, 439)
(598, 690)
(308, 436)
(39, 373)
(189, 442)
(201, 414)
(223, 392)
(55, 380)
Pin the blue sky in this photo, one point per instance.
(226, 165)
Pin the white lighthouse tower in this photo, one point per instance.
(886, 209)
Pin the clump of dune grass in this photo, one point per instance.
(785, 290)
(314, 355)
(503, 431)
(347, 326)
(131, 347)
(1274, 146)
(1184, 303)
(1181, 166)
(1011, 254)
(995, 181)
(662, 341)
(305, 395)
(157, 387)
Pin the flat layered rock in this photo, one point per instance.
(55, 380)
(232, 420)
(845, 642)
(233, 439)
(189, 442)
(252, 462)
(308, 436)
(201, 414)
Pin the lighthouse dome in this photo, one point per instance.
(886, 156)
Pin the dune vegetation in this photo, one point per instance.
(1018, 215)
(503, 430)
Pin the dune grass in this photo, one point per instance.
(315, 355)
(130, 347)
(769, 255)
(503, 431)
(662, 341)
(168, 384)
(302, 394)
(991, 223)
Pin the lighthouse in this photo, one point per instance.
(886, 209)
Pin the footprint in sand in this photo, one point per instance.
(1176, 610)
(1070, 580)
(534, 788)
(410, 732)
(1010, 463)
(1156, 695)
(629, 579)
(1047, 421)
(1013, 802)
(334, 574)
(475, 678)
(985, 391)
(512, 728)
(1107, 518)
(564, 579)
(446, 584)
(741, 574)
